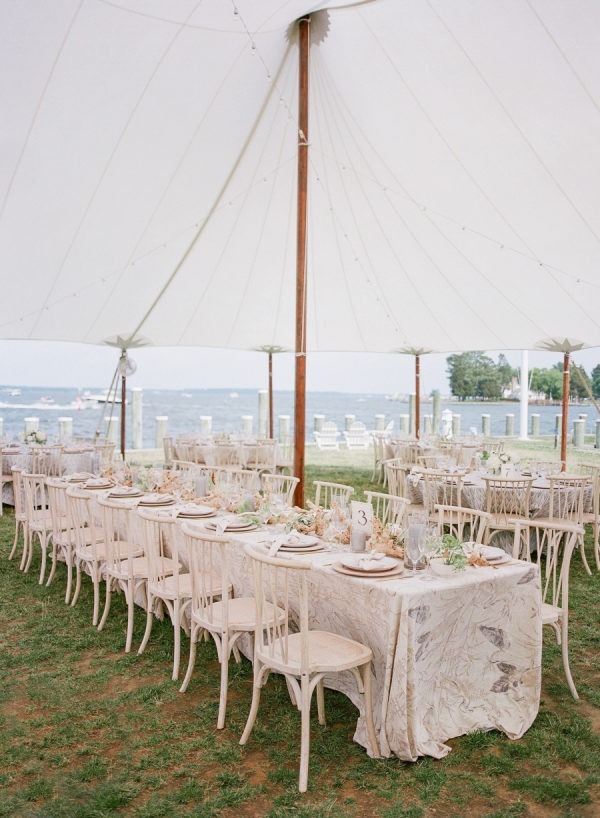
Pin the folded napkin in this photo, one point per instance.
(370, 561)
(491, 553)
(277, 542)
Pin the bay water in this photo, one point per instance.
(228, 407)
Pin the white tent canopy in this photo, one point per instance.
(148, 176)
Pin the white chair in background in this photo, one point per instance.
(328, 437)
(39, 519)
(280, 487)
(4, 478)
(214, 610)
(357, 437)
(553, 544)
(126, 566)
(63, 536)
(20, 516)
(463, 523)
(169, 584)
(90, 550)
(328, 494)
(388, 508)
(305, 657)
(567, 502)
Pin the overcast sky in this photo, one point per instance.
(36, 363)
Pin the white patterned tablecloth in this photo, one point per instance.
(451, 656)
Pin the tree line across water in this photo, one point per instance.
(476, 376)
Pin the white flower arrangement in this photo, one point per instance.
(36, 437)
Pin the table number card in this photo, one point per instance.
(362, 517)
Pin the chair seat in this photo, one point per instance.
(550, 614)
(125, 550)
(138, 568)
(170, 587)
(242, 615)
(328, 652)
(503, 520)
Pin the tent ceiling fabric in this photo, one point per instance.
(148, 176)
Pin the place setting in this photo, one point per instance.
(372, 565)
(232, 524)
(194, 511)
(124, 493)
(98, 483)
(293, 542)
(156, 500)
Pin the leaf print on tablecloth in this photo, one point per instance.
(511, 678)
(528, 577)
(494, 635)
(420, 614)
(423, 642)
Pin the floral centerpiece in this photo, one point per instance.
(36, 437)
(496, 462)
(387, 539)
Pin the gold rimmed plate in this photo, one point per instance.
(350, 572)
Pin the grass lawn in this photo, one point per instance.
(88, 731)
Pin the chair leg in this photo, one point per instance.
(25, 548)
(304, 733)
(16, 540)
(77, 582)
(565, 658)
(583, 556)
(225, 651)
(29, 552)
(149, 618)
(192, 660)
(129, 595)
(53, 567)
(69, 563)
(44, 548)
(176, 616)
(258, 679)
(321, 702)
(96, 586)
(107, 601)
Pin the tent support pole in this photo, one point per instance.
(123, 410)
(417, 396)
(565, 413)
(300, 373)
(271, 395)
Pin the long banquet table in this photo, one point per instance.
(450, 656)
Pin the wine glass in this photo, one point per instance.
(414, 540)
(429, 545)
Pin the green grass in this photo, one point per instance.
(87, 731)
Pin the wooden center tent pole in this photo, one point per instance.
(300, 371)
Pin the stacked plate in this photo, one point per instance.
(154, 500)
(79, 477)
(233, 524)
(358, 566)
(300, 544)
(193, 511)
(493, 555)
(98, 483)
(124, 492)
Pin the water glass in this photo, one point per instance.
(415, 536)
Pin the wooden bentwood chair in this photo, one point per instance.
(304, 657)
(214, 610)
(552, 544)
